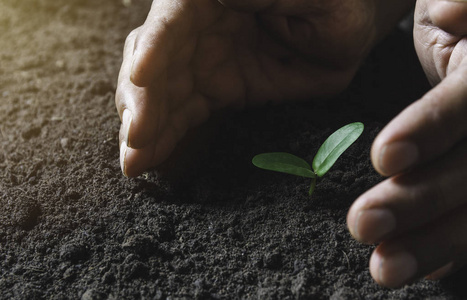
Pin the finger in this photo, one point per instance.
(449, 15)
(141, 110)
(167, 21)
(167, 28)
(426, 129)
(135, 161)
(410, 200)
(439, 247)
(123, 80)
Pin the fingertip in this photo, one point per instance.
(391, 158)
(373, 224)
(352, 218)
(129, 161)
(369, 221)
(376, 264)
(375, 155)
(133, 162)
(392, 270)
(136, 161)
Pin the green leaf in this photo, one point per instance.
(283, 162)
(334, 146)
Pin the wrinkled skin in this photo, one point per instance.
(419, 214)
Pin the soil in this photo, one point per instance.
(72, 227)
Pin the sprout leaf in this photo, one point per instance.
(285, 163)
(334, 146)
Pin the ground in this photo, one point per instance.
(72, 227)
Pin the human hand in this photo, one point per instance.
(419, 214)
(193, 57)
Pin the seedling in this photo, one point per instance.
(324, 159)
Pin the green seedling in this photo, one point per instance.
(324, 159)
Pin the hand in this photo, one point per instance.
(193, 57)
(419, 214)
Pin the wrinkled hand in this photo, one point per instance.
(419, 214)
(193, 57)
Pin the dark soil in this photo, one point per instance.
(72, 227)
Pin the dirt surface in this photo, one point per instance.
(72, 227)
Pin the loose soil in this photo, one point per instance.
(72, 227)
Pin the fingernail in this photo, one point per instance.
(127, 118)
(372, 225)
(397, 157)
(441, 272)
(123, 150)
(395, 270)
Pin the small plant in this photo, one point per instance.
(324, 159)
